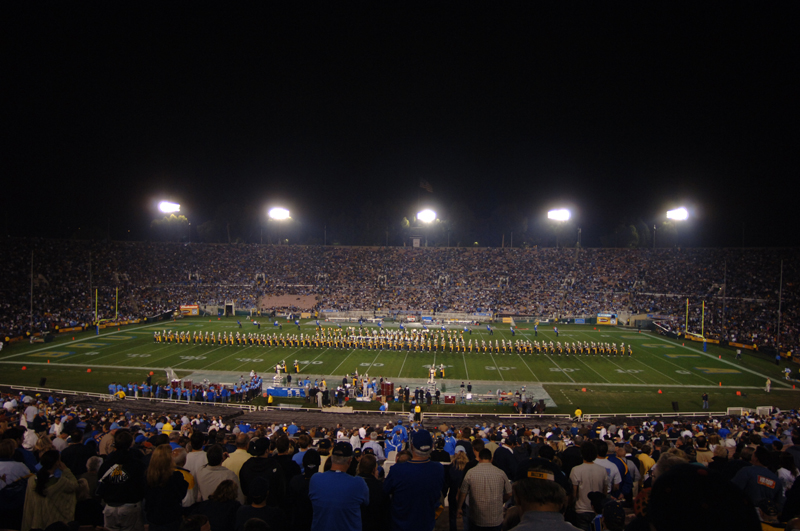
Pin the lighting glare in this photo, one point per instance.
(426, 216)
(559, 215)
(279, 213)
(678, 214)
(167, 207)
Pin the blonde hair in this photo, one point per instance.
(43, 443)
(161, 466)
(460, 460)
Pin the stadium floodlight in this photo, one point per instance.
(678, 214)
(426, 216)
(278, 213)
(167, 207)
(562, 214)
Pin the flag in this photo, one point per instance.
(425, 185)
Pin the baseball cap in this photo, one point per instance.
(259, 446)
(311, 460)
(324, 444)
(422, 441)
(369, 451)
(357, 452)
(342, 449)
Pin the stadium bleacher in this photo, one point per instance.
(741, 284)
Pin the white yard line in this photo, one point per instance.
(732, 364)
(529, 368)
(496, 366)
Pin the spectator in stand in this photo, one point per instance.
(376, 514)
(264, 465)
(165, 491)
(541, 501)
(301, 511)
(258, 510)
(586, 478)
(235, 460)
(488, 488)
(121, 485)
(49, 499)
(76, 454)
(213, 473)
(415, 487)
(758, 481)
(337, 497)
(179, 458)
(221, 506)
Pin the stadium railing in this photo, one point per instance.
(595, 416)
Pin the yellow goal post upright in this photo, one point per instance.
(701, 335)
(116, 308)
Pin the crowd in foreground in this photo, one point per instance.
(63, 465)
(740, 287)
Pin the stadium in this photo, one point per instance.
(682, 322)
(380, 266)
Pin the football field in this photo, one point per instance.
(680, 370)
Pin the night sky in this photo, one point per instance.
(618, 111)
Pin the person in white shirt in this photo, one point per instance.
(614, 477)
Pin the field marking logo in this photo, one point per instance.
(657, 345)
(717, 370)
(90, 345)
(117, 338)
(51, 354)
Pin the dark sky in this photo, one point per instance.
(619, 111)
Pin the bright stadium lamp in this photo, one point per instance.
(678, 214)
(562, 214)
(278, 213)
(167, 207)
(426, 216)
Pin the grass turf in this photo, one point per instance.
(621, 384)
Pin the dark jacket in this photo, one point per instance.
(121, 478)
(163, 503)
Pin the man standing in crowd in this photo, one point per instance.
(488, 488)
(587, 477)
(415, 487)
(336, 496)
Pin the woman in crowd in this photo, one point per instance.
(221, 506)
(51, 494)
(455, 475)
(165, 492)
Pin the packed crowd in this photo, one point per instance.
(740, 287)
(62, 464)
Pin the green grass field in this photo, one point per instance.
(622, 384)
